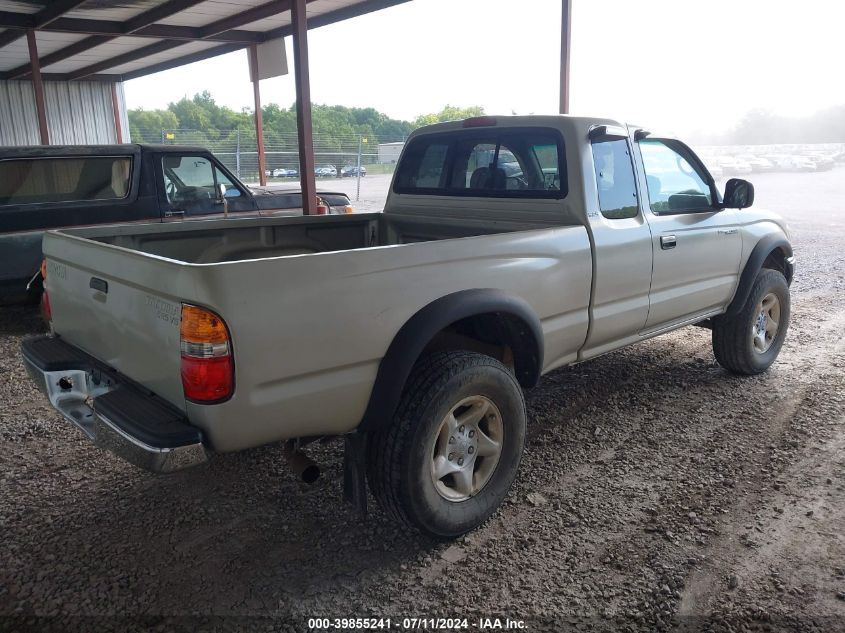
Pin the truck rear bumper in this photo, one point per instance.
(113, 413)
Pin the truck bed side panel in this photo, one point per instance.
(309, 331)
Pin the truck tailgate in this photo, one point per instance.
(102, 302)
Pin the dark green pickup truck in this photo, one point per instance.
(49, 187)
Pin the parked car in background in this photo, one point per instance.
(325, 171)
(175, 341)
(62, 186)
(798, 163)
(732, 166)
(352, 170)
(822, 163)
(285, 172)
(758, 164)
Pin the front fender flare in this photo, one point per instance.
(761, 251)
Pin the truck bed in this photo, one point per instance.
(228, 241)
(311, 304)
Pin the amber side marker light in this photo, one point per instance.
(208, 373)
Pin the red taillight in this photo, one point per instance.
(207, 379)
(480, 121)
(208, 373)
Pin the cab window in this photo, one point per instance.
(64, 179)
(191, 183)
(675, 181)
(615, 179)
(526, 163)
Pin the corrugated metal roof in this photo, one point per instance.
(114, 40)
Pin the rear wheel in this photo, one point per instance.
(749, 342)
(450, 455)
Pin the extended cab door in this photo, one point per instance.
(696, 246)
(188, 188)
(622, 258)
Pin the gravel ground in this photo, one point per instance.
(657, 492)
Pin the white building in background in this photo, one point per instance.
(78, 113)
(389, 152)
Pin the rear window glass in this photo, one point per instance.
(524, 163)
(34, 180)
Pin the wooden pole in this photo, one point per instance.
(565, 42)
(304, 128)
(115, 107)
(38, 87)
(259, 119)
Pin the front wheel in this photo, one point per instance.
(449, 457)
(749, 341)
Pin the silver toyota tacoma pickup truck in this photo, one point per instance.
(508, 247)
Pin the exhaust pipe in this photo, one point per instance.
(301, 465)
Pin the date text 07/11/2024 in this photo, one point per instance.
(405, 624)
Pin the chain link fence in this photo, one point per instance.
(335, 156)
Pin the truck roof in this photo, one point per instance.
(580, 123)
(95, 150)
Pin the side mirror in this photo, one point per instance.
(739, 194)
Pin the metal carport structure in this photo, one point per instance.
(117, 40)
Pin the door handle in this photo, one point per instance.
(667, 242)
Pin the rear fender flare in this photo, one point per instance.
(422, 327)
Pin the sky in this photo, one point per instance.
(677, 65)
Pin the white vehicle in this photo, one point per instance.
(758, 163)
(732, 166)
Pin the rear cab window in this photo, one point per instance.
(615, 181)
(64, 179)
(501, 163)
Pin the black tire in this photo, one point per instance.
(400, 455)
(732, 335)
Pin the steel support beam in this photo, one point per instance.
(34, 21)
(21, 72)
(115, 108)
(565, 46)
(144, 25)
(117, 60)
(38, 87)
(304, 130)
(284, 31)
(259, 118)
(181, 61)
(208, 31)
(130, 27)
